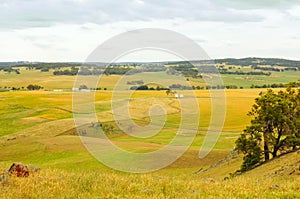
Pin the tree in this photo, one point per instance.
(32, 87)
(170, 92)
(143, 87)
(108, 129)
(274, 129)
(249, 144)
(83, 87)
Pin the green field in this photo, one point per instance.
(247, 81)
(50, 82)
(37, 127)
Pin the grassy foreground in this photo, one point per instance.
(37, 128)
(264, 182)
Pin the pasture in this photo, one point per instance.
(37, 127)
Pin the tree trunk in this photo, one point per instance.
(274, 153)
(278, 143)
(267, 131)
(266, 147)
(266, 151)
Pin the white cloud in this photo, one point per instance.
(37, 13)
(255, 4)
(68, 30)
(294, 12)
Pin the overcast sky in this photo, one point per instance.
(69, 30)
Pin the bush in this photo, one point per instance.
(32, 87)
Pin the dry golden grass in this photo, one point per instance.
(53, 183)
(38, 129)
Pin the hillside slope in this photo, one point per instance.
(279, 178)
(284, 166)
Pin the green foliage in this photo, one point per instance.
(276, 85)
(262, 61)
(225, 71)
(275, 126)
(33, 87)
(143, 87)
(249, 144)
(108, 128)
(9, 69)
(180, 87)
(45, 70)
(73, 71)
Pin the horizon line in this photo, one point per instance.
(129, 61)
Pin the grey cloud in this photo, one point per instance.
(38, 13)
(42, 46)
(258, 4)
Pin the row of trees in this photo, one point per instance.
(274, 85)
(111, 70)
(70, 72)
(184, 87)
(275, 68)
(254, 61)
(10, 69)
(29, 87)
(145, 87)
(274, 129)
(225, 71)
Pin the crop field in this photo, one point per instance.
(50, 82)
(247, 81)
(37, 127)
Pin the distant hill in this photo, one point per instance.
(13, 63)
(254, 61)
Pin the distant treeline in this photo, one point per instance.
(146, 87)
(212, 87)
(253, 61)
(73, 71)
(5, 64)
(30, 87)
(111, 70)
(225, 71)
(274, 68)
(184, 87)
(275, 85)
(43, 67)
(187, 69)
(229, 61)
(250, 61)
(9, 69)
